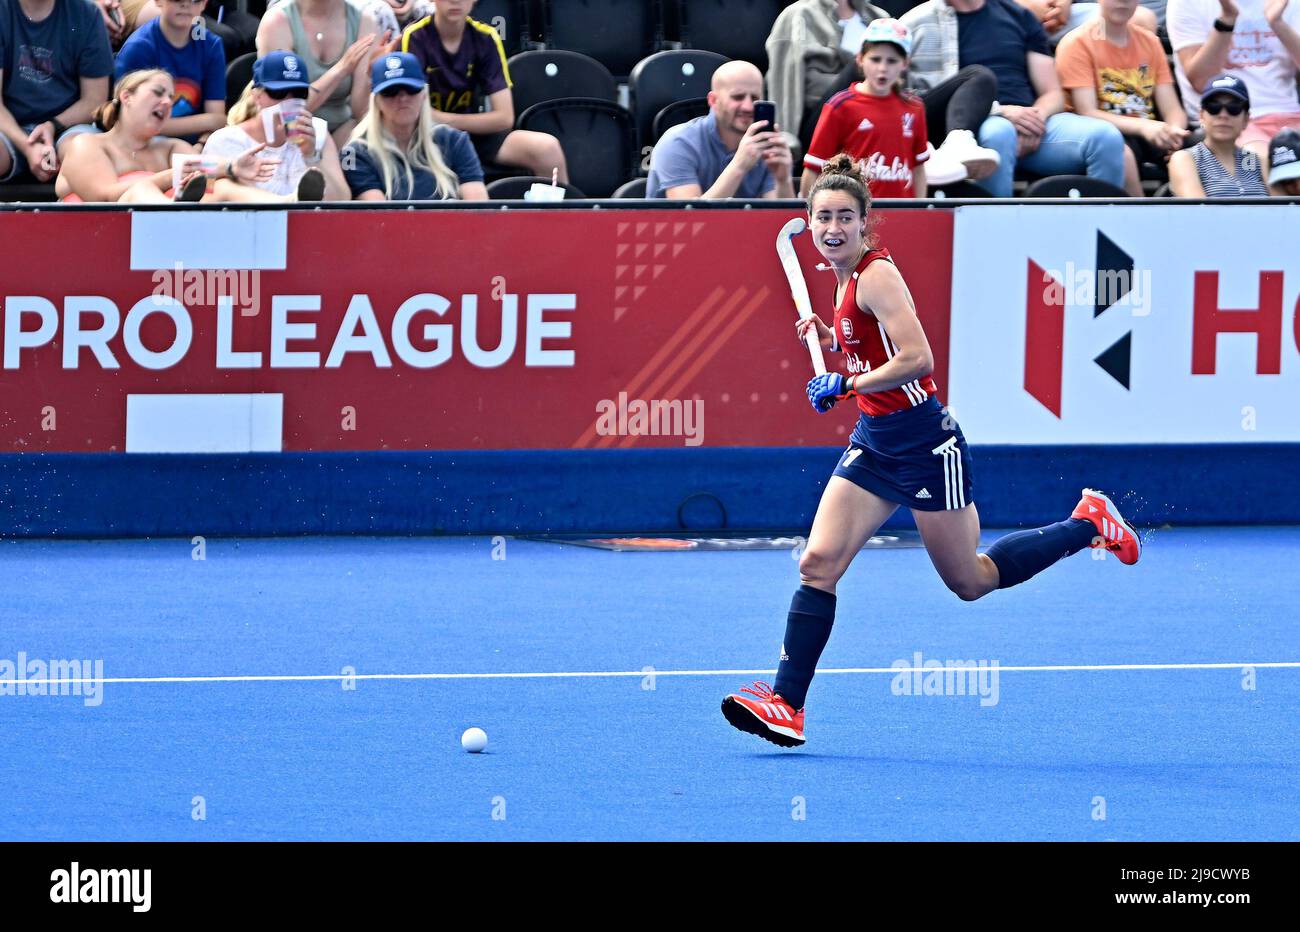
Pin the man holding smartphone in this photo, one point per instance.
(736, 150)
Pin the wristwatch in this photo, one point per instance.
(1221, 26)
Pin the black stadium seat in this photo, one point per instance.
(238, 73)
(550, 74)
(667, 77)
(1073, 186)
(510, 19)
(512, 189)
(634, 188)
(617, 33)
(679, 111)
(596, 136)
(967, 189)
(734, 28)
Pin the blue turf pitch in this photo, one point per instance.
(1169, 754)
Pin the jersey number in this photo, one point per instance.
(853, 453)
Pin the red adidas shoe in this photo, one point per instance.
(770, 717)
(1115, 532)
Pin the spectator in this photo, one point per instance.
(298, 144)
(194, 59)
(1218, 167)
(1061, 17)
(115, 20)
(810, 55)
(464, 64)
(236, 29)
(399, 153)
(724, 153)
(334, 39)
(1263, 52)
(813, 47)
(1117, 71)
(408, 11)
(1284, 157)
(130, 161)
(392, 16)
(1028, 126)
(875, 121)
(55, 64)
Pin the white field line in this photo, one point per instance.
(650, 671)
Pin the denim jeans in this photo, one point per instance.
(1072, 145)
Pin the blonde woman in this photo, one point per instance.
(307, 159)
(130, 162)
(398, 153)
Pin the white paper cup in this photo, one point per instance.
(544, 192)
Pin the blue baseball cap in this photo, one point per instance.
(1228, 84)
(1284, 157)
(396, 69)
(280, 71)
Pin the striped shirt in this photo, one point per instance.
(1249, 181)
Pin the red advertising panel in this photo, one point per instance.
(406, 330)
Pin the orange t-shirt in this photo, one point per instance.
(1125, 78)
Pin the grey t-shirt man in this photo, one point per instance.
(693, 153)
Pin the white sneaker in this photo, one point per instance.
(941, 169)
(960, 146)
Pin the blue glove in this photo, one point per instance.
(824, 389)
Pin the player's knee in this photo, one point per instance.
(968, 590)
(818, 565)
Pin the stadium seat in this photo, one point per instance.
(960, 189)
(1073, 186)
(617, 33)
(550, 74)
(27, 192)
(238, 73)
(679, 111)
(1165, 190)
(596, 136)
(511, 21)
(667, 77)
(734, 28)
(512, 189)
(634, 188)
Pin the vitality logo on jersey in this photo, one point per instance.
(908, 119)
(876, 169)
(1113, 278)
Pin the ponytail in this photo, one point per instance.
(106, 115)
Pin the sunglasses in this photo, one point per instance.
(299, 92)
(1215, 107)
(394, 90)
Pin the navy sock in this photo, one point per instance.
(807, 629)
(1024, 554)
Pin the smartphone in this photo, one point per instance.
(765, 110)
